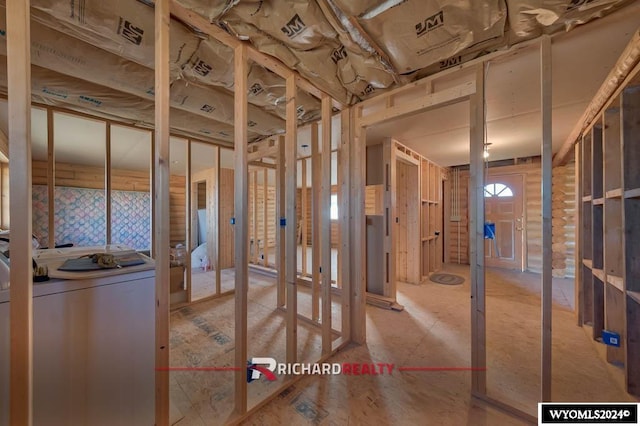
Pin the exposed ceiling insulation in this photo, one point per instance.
(350, 49)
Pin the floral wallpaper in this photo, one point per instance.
(80, 217)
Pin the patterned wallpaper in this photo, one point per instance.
(80, 217)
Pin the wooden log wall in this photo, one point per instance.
(563, 212)
(271, 215)
(335, 227)
(227, 243)
(78, 176)
(458, 230)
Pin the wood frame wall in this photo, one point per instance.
(352, 181)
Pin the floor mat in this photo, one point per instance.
(448, 279)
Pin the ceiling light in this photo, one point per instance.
(485, 153)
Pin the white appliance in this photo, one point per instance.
(93, 344)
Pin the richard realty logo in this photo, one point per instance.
(269, 368)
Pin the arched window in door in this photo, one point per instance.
(497, 190)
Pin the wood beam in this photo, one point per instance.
(161, 215)
(262, 165)
(280, 228)
(271, 151)
(21, 289)
(344, 253)
(241, 231)
(325, 224)
(315, 224)
(435, 100)
(51, 179)
(476, 237)
(291, 228)
(547, 254)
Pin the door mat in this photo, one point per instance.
(448, 279)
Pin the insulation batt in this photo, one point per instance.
(300, 35)
(56, 89)
(66, 55)
(193, 59)
(123, 27)
(416, 34)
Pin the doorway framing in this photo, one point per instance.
(419, 97)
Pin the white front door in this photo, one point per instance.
(504, 201)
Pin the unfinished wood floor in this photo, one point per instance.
(432, 331)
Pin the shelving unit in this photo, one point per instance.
(610, 227)
(431, 216)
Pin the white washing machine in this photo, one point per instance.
(93, 344)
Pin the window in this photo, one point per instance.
(334, 207)
(497, 190)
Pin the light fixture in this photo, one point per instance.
(485, 153)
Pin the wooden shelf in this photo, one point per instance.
(598, 202)
(587, 263)
(599, 273)
(586, 198)
(614, 193)
(632, 193)
(635, 295)
(617, 282)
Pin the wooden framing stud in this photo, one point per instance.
(216, 222)
(291, 234)
(358, 294)
(191, 204)
(325, 225)
(344, 254)
(161, 213)
(241, 233)
(265, 217)
(304, 199)
(51, 179)
(547, 159)
(280, 228)
(254, 235)
(315, 224)
(107, 182)
(476, 238)
(21, 290)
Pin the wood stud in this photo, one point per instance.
(547, 254)
(291, 222)
(476, 238)
(241, 214)
(21, 290)
(161, 213)
(325, 225)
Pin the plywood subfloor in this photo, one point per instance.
(432, 331)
